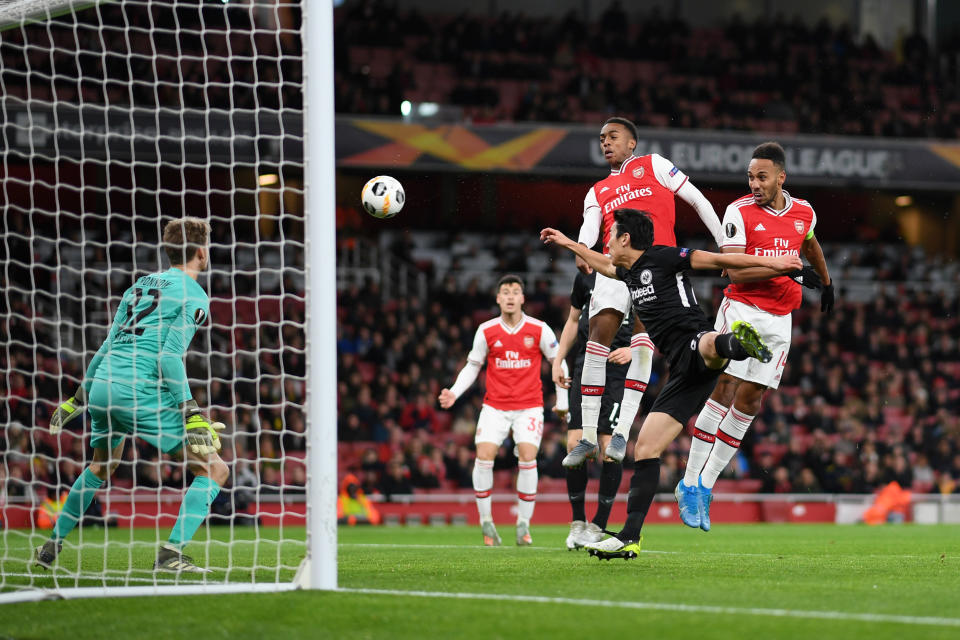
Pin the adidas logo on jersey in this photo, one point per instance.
(498, 344)
(760, 227)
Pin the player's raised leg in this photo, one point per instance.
(603, 327)
(729, 435)
(638, 376)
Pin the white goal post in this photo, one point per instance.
(115, 118)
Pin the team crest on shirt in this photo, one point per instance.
(638, 173)
(646, 277)
(199, 317)
(798, 225)
(528, 341)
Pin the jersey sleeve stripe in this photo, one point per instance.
(685, 178)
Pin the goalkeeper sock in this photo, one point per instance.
(193, 510)
(610, 475)
(729, 435)
(577, 490)
(78, 501)
(704, 434)
(483, 487)
(643, 486)
(592, 381)
(638, 375)
(526, 490)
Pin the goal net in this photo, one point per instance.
(118, 117)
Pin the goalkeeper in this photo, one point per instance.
(136, 384)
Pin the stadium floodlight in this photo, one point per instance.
(114, 120)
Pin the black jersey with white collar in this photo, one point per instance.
(663, 298)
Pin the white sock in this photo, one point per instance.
(483, 486)
(638, 375)
(729, 434)
(526, 490)
(592, 381)
(701, 444)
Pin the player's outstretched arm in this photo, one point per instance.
(597, 261)
(778, 265)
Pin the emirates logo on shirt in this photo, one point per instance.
(638, 173)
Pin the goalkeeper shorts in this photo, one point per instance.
(117, 410)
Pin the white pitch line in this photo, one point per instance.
(732, 554)
(664, 606)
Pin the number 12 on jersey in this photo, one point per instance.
(130, 325)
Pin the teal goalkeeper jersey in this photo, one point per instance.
(154, 324)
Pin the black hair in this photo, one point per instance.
(773, 152)
(510, 279)
(631, 128)
(638, 224)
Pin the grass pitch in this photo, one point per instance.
(777, 581)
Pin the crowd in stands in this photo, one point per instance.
(779, 75)
(870, 393)
(188, 54)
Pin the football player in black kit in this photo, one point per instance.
(664, 302)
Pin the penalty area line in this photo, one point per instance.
(665, 606)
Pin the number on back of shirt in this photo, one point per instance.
(130, 325)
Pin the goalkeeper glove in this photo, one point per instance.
(68, 411)
(202, 436)
(827, 298)
(807, 276)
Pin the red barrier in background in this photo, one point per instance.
(550, 509)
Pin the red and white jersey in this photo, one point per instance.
(513, 356)
(764, 231)
(647, 183)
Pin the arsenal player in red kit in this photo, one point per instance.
(512, 346)
(768, 222)
(649, 183)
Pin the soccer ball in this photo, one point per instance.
(383, 197)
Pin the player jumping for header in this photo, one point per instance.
(649, 182)
(136, 384)
(767, 222)
(664, 301)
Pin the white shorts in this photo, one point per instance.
(609, 293)
(494, 425)
(774, 329)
